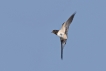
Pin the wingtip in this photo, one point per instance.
(74, 13)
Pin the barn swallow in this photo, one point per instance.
(63, 32)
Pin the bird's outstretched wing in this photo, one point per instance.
(65, 25)
(68, 22)
(63, 42)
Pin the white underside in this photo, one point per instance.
(62, 35)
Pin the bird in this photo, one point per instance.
(63, 32)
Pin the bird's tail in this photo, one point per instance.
(61, 52)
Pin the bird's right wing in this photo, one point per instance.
(68, 22)
(65, 25)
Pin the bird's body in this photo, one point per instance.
(63, 32)
(62, 35)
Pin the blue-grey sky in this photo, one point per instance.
(27, 44)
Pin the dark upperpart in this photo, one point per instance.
(55, 32)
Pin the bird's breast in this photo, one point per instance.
(62, 35)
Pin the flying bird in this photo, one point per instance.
(63, 32)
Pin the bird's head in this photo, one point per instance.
(55, 32)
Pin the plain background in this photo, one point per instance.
(27, 44)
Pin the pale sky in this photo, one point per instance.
(27, 44)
